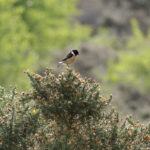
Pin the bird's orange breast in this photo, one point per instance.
(70, 60)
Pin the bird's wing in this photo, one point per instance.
(68, 56)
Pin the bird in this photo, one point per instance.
(70, 58)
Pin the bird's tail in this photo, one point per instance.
(60, 63)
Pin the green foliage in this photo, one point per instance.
(103, 38)
(65, 112)
(15, 53)
(30, 30)
(133, 64)
(47, 21)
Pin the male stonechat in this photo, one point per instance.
(70, 58)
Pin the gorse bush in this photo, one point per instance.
(67, 97)
(66, 112)
(17, 122)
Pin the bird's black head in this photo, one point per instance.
(75, 52)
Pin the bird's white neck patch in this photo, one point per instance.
(73, 53)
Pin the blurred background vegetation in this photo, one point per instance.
(112, 35)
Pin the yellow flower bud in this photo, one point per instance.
(33, 111)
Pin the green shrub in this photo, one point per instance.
(17, 122)
(66, 112)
